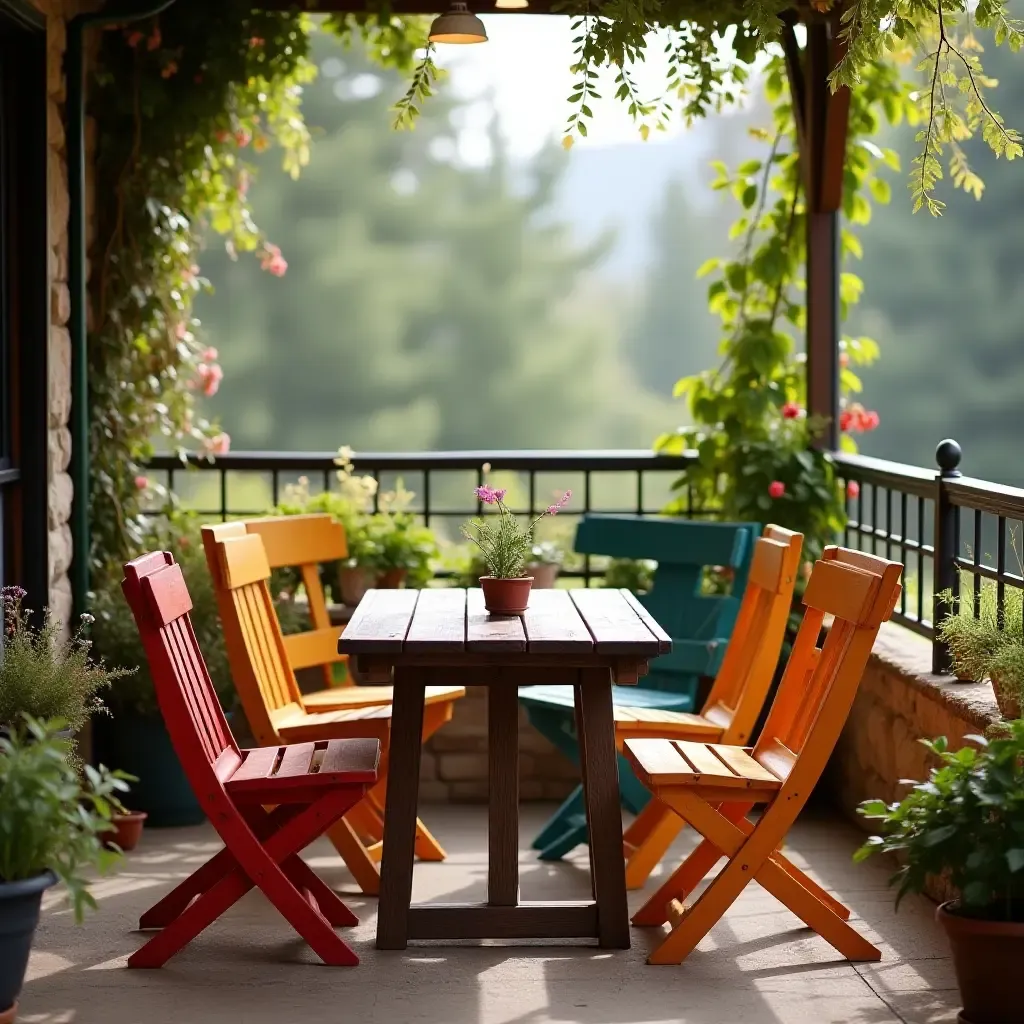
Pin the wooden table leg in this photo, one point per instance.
(503, 795)
(581, 742)
(604, 816)
(400, 810)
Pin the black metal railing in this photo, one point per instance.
(251, 483)
(943, 526)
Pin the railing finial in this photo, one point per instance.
(948, 455)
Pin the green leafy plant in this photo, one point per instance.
(45, 673)
(50, 819)
(966, 822)
(757, 452)
(505, 543)
(630, 574)
(546, 553)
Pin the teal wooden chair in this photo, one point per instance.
(700, 626)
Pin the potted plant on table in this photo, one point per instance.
(505, 544)
(51, 824)
(966, 823)
(544, 564)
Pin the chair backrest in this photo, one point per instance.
(155, 590)
(750, 661)
(252, 634)
(700, 624)
(306, 543)
(818, 687)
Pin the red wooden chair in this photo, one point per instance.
(308, 785)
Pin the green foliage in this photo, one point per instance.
(966, 822)
(398, 540)
(756, 459)
(630, 574)
(45, 673)
(546, 553)
(50, 820)
(117, 637)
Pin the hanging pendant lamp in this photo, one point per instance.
(459, 25)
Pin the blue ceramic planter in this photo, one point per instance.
(19, 915)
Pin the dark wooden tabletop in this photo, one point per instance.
(556, 622)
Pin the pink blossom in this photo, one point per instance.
(222, 136)
(180, 330)
(210, 375)
(141, 482)
(553, 510)
(490, 495)
(243, 138)
(134, 38)
(210, 355)
(791, 411)
(220, 444)
(776, 489)
(844, 360)
(272, 261)
(852, 489)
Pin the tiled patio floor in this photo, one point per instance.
(758, 966)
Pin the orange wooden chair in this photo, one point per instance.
(309, 785)
(714, 786)
(736, 698)
(276, 710)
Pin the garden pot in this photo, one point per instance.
(353, 582)
(127, 830)
(986, 957)
(506, 597)
(393, 579)
(19, 915)
(1007, 697)
(544, 574)
(139, 745)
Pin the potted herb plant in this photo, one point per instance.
(51, 825)
(46, 674)
(505, 544)
(966, 823)
(544, 564)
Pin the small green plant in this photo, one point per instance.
(44, 673)
(505, 543)
(630, 574)
(966, 822)
(546, 553)
(50, 818)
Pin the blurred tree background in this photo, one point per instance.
(434, 304)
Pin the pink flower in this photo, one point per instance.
(870, 420)
(844, 360)
(852, 489)
(220, 444)
(210, 376)
(490, 495)
(134, 38)
(857, 418)
(791, 411)
(210, 355)
(243, 138)
(180, 330)
(141, 482)
(272, 261)
(553, 510)
(776, 489)
(222, 136)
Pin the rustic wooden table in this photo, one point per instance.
(589, 638)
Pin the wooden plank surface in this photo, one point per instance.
(554, 626)
(569, 920)
(614, 623)
(503, 796)
(380, 623)
(488, 633)
(439, 623)
(664, 640)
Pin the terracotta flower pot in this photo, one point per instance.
(1007, 697)
(986, 957)
(506, 597)
(544, 574)
(393, 579)
(353, 582)
(127, 830)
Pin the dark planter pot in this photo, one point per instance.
(986, 956)
(127, 831)
(393, 579)
(19, 915)
(139, 745)
(353, 582)
(506, 597)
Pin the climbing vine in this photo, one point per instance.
(754, 441)
(179, 102)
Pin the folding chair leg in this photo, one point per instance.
(811, 886)
(177, 900)
(573, 836)
(356, 857)
(642, 825)
(646, 856)
(365, 821)
(679, 884)
(571, 806)
(305, 879)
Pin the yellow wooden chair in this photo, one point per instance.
(736, 698)
(714, 786)
(277, 711)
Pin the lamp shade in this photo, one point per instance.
(459, 25)
(511, 5)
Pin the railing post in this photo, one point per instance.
(947, 544)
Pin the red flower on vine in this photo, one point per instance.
(210, 375)
(791, 411)
(844, 360)
(776, 489)
(243, 138)
(852, 489)
(857, 419)
(134, 38)
(141, 482)
(272, 261)
(219, 444)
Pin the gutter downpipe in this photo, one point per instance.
(74, 67)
